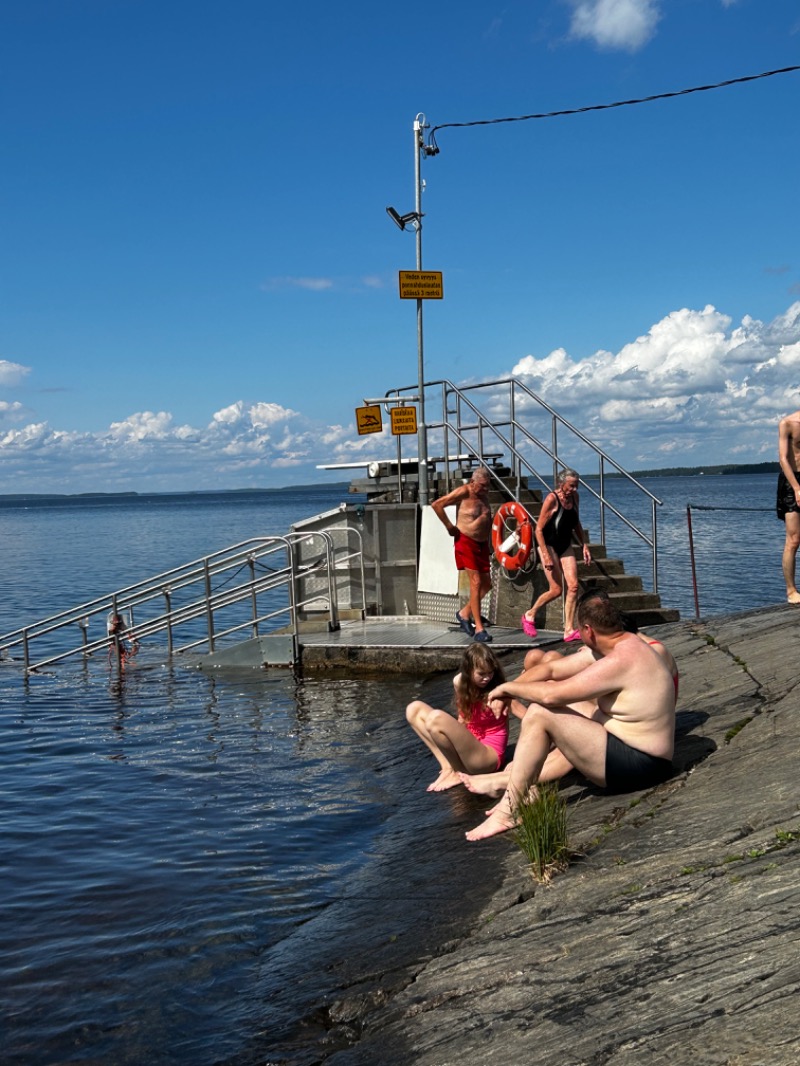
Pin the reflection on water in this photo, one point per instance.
(162, 835)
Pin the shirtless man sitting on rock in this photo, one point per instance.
(472, 534)
(542, 665)
(613, 720)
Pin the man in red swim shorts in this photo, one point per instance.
(472, 532)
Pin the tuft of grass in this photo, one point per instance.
(737, 728)
(541, 833)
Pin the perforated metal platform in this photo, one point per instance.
(414, 631)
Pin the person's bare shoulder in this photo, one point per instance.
(790, 425)
(454, 496)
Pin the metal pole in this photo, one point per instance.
(694, 572)
(422, 433)
(209, 608)
(253, 600)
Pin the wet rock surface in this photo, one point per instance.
(674, 937)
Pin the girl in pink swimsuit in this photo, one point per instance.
(475, 741)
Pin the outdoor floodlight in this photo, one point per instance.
(403, 220)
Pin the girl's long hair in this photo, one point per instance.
(467, 693)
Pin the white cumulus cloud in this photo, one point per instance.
(12, 373)
(687, 384)
(693, 388)
(625, 25)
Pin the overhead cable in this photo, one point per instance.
(605, 107)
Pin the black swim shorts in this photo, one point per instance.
(628, 770)
(786, 502)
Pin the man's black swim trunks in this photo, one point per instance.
(786, 502)
(628, 770)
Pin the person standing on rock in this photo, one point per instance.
(628, 742)
(472, 533)
(788, 500)
(558, 524)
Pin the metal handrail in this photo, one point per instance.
(471, 428)
(327, 560)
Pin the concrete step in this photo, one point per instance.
(635, 600)
(653, 616)
(611, 583)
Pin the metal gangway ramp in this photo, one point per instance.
(259, 589)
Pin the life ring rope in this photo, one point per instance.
(512, 535)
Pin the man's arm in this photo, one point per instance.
(559, 669)
(599, 679)
(438, 507)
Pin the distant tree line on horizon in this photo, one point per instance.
(725, 468)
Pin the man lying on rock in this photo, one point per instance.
(613, 720)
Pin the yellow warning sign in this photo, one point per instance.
(421, 285)
(368, 419)
(404, 420)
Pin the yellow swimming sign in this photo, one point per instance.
(404, 420)
(421, 285)
(368, 419)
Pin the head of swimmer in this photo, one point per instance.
(567, 481)
(480, 671)
(480, 479)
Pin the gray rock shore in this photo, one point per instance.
(672, 938)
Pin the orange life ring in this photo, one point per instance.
(517, 537)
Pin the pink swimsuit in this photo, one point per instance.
(491, 731)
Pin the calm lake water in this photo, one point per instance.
(191, 865)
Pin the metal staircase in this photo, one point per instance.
(524, 442)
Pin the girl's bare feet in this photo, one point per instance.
(499, 821)
(447, 779)
(485, 784)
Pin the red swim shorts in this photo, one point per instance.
(472, 554)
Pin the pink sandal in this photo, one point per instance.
(574, 635)
(528, 628)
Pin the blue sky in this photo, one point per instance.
(198, 279)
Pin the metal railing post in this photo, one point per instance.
(117, 642)
(252, 564)
(168, 613)
(512, 414)
(654, 528)
(554, 437)
(209, 608)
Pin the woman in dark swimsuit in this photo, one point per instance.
(556, 528)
